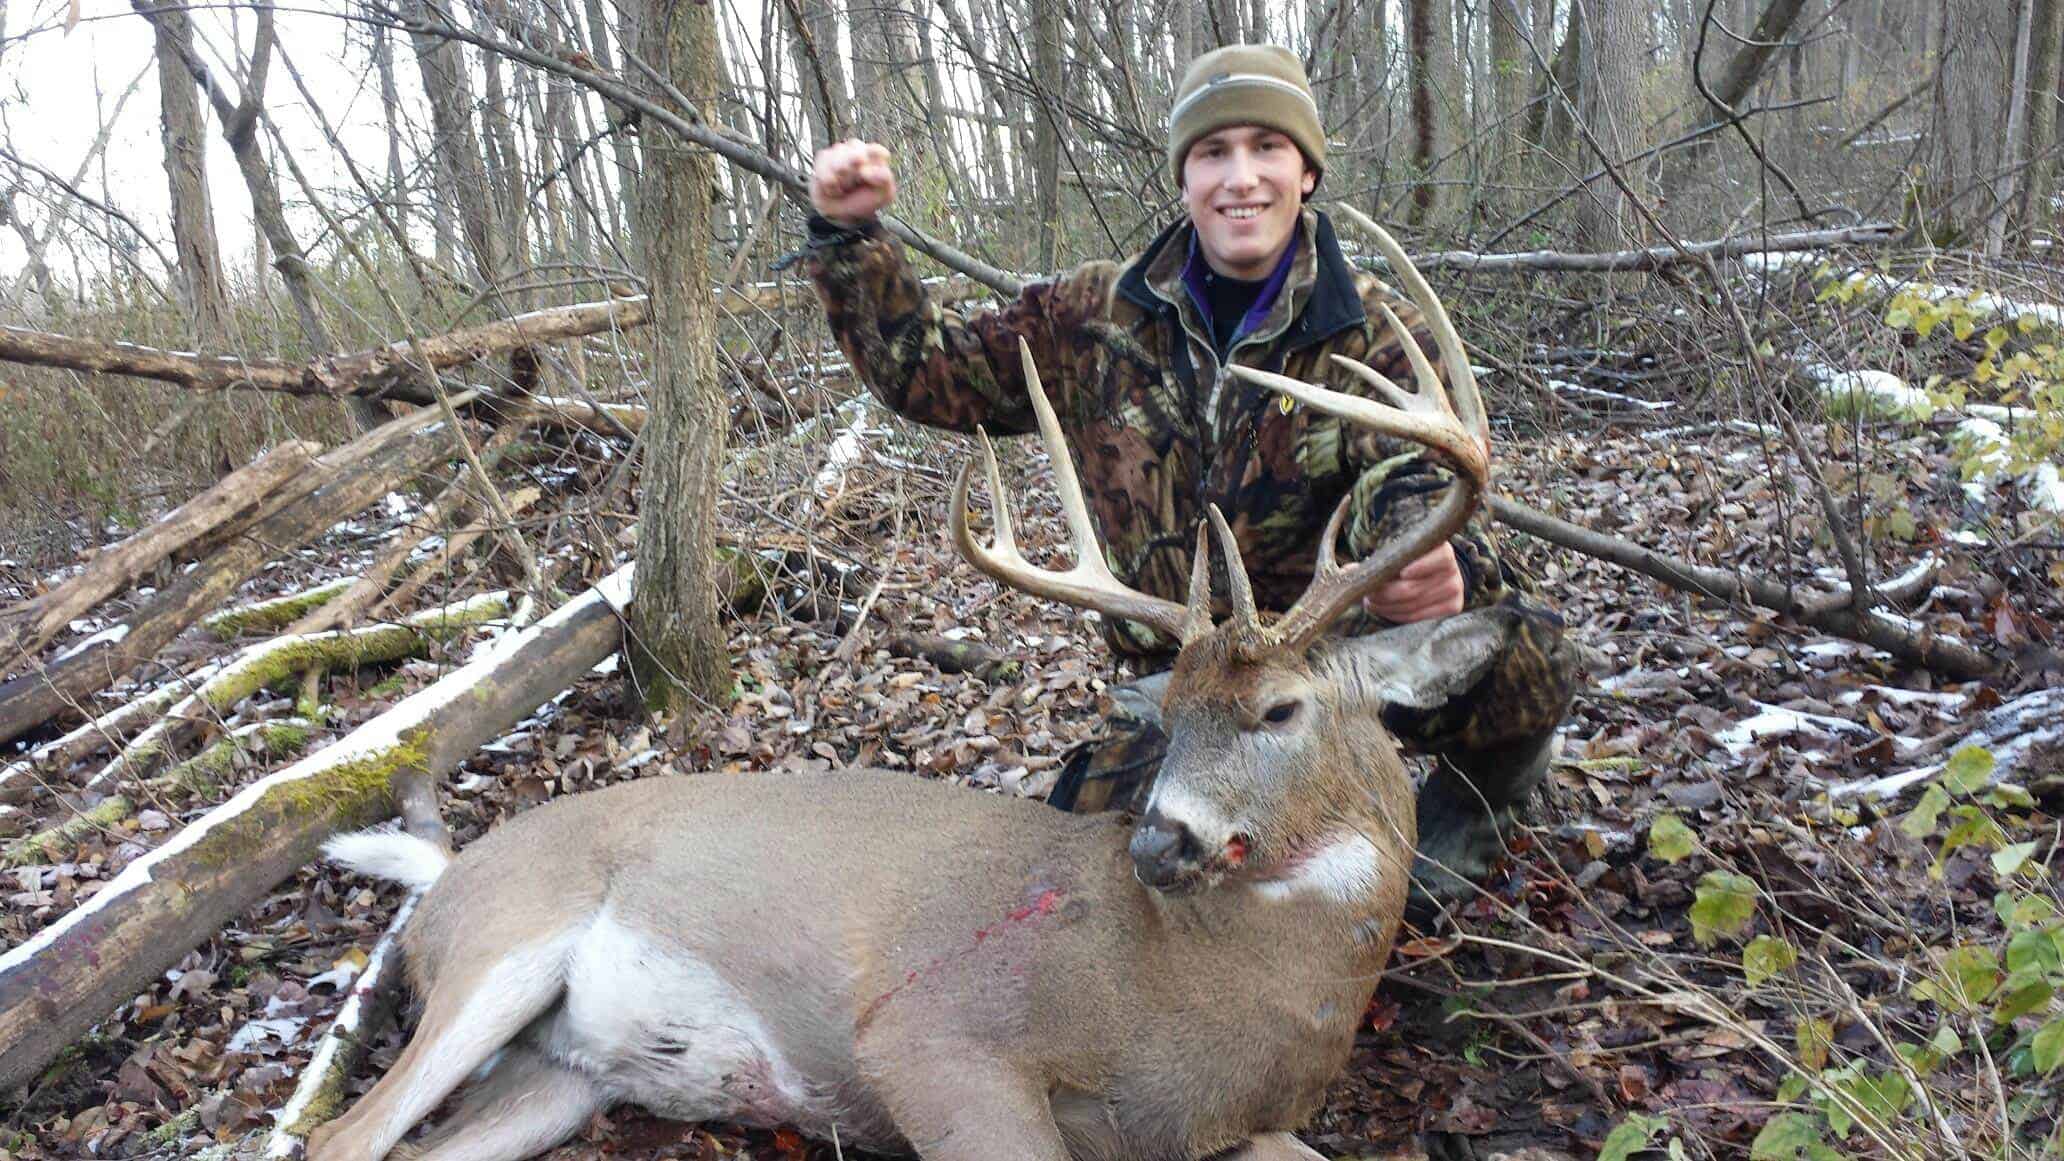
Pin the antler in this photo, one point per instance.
(1089, 584)
(1449, 420)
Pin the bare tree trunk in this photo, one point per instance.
(1615, 44)
(456, 149)
(619, 142)
(820, 66)
(2046, 44)
(505, 172)
(1430, 56)
(199, 276)
(1048, 66)
(397, 192)
(1510, 67)
(2017, 115)
(677, 651)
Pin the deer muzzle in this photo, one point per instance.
(1166, 855)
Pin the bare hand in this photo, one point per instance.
(851, 181)
(1427, 588)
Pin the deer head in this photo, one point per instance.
(1276, 750)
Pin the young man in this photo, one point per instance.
(1133, 357)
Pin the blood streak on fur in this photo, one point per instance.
(1047, 902)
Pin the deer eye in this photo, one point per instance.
(1280, 713)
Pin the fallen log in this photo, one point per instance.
(281, 660)
(274, 614)
(61, 981)
(201, 774)
(320, 1093)
(2025, 738)
(18, 781)
(350, 482)
(389, 371)
(951, 656)
(429, 569)
(1907, 640)
(31, 626)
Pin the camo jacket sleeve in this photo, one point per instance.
(939, 367)
(1399, 482)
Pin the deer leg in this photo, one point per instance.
(1271, 1147)
(465, 1021)
(527, 1104)
(960, 1110)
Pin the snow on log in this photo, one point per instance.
(351, 478)
(280, 659)
(71, 974)
(18, 781)
(319, 1095)
(32, 625)
(200, 774)
(2025, 736)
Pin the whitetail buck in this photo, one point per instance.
(916, 967)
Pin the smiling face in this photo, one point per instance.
(1243, 187)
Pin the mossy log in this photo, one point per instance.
(18, 782)
(65, 978)
(270, 616)
(351, 478)
(203, 774)
(280, 661)
(32, 625)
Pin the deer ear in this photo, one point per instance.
(1421, 664)
(1142, 697)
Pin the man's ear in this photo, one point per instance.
(1141, 698)
(1422, 664)
(1311, 179)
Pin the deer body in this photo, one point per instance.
(835, 952)
(911, 966)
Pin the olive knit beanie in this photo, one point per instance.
(1245, 84)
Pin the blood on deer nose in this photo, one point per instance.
(1163, 850)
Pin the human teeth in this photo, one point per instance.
(1243, 212)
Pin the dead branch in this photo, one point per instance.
(1652, 258)
(348, 479)
(280, 660)
(2025, 737)
(32, 625)
(70, 975)
(1907, 640)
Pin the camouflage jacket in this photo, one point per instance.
(1159, 429)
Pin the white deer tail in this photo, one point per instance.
(387, 853)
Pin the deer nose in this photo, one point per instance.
(1163, 850)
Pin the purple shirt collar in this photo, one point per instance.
(1197, 266)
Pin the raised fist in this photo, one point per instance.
(851, 181)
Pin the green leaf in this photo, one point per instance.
(2034, 950)
(1784, 1138)
(2011, 796)
(1946, 1042)
(1969, 769)
(2010, 859)
(2018, 909)
(1791, 1088)
(1814, 1038)
(1964, 977)
(2048, 1046)
(1629, 1135)
(1723, 905)
(1766, 956)
(1669, 839)
(2020, 995)
(1920, 822)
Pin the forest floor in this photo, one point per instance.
(1580, 990)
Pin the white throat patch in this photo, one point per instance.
(1341, 871)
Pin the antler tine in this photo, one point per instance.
(1241, 589)
(1449, 419)
(1087, 585)
(1197, 618)
(1461, 376)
